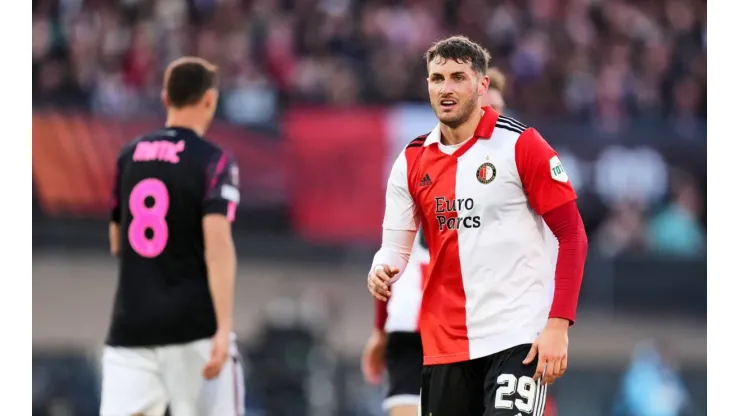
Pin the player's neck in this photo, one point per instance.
(456, 135)
(185, 119)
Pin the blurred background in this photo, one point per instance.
(317, 99)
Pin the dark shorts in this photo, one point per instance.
(404, 358)
(496, 385)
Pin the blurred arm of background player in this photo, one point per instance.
(113, 236)
(373, 357)
(221, 262)
(114, 231)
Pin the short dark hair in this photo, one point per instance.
(460, 49)
(188, 79)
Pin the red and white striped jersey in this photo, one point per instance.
(480, 205)
(405, 301)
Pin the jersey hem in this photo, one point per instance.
(491, 345)
(116, 342)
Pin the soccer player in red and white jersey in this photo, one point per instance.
(483, 187)
(395, 342)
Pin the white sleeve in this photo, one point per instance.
(400, 222)
(400, 209)
(395, 250)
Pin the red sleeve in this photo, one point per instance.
(543, 176)
(381, 314)
(566, 223)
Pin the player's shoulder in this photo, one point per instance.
(217, 155)
(415, 147)
(130, 147)
(513, 132)
(417, 142)
(210, 147)
(511, 125)
(410, 153)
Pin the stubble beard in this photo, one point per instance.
(465, 112)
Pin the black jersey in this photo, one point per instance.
(165, 183)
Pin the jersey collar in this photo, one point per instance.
(483, 131)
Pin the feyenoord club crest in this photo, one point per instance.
(486, 173)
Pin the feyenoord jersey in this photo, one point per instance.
(491, 271)
(405, 301)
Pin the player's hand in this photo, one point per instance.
(552, 348)
(219, 355)
(373, 358)
(379, 281)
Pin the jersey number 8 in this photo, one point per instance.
(152, 218)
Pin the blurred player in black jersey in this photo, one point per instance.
(175, 195)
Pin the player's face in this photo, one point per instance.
(494, 99)
(454, 90)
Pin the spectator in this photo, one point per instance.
(622, 231)
(676, 229)
(651, 386)
(607, 61)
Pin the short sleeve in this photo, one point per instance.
(400, 209)
(115, 195)
(542, 174)
(222, 193)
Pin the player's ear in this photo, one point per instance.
(165, 99)
(483, 85)
(211, 98)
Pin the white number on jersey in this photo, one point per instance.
(525, 387)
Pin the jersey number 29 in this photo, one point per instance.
(152, 218)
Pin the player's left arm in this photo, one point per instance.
(219, 210)
(552, 196)
(114, 229)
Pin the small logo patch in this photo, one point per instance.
(230, 193)
(486, 173)
(557, 171)
(426, 180)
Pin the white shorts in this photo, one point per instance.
(146, 380)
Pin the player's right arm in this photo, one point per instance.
(219, 208)
(399, 230)
(114, 229)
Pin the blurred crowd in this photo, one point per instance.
(604, 60)
(672, 225)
